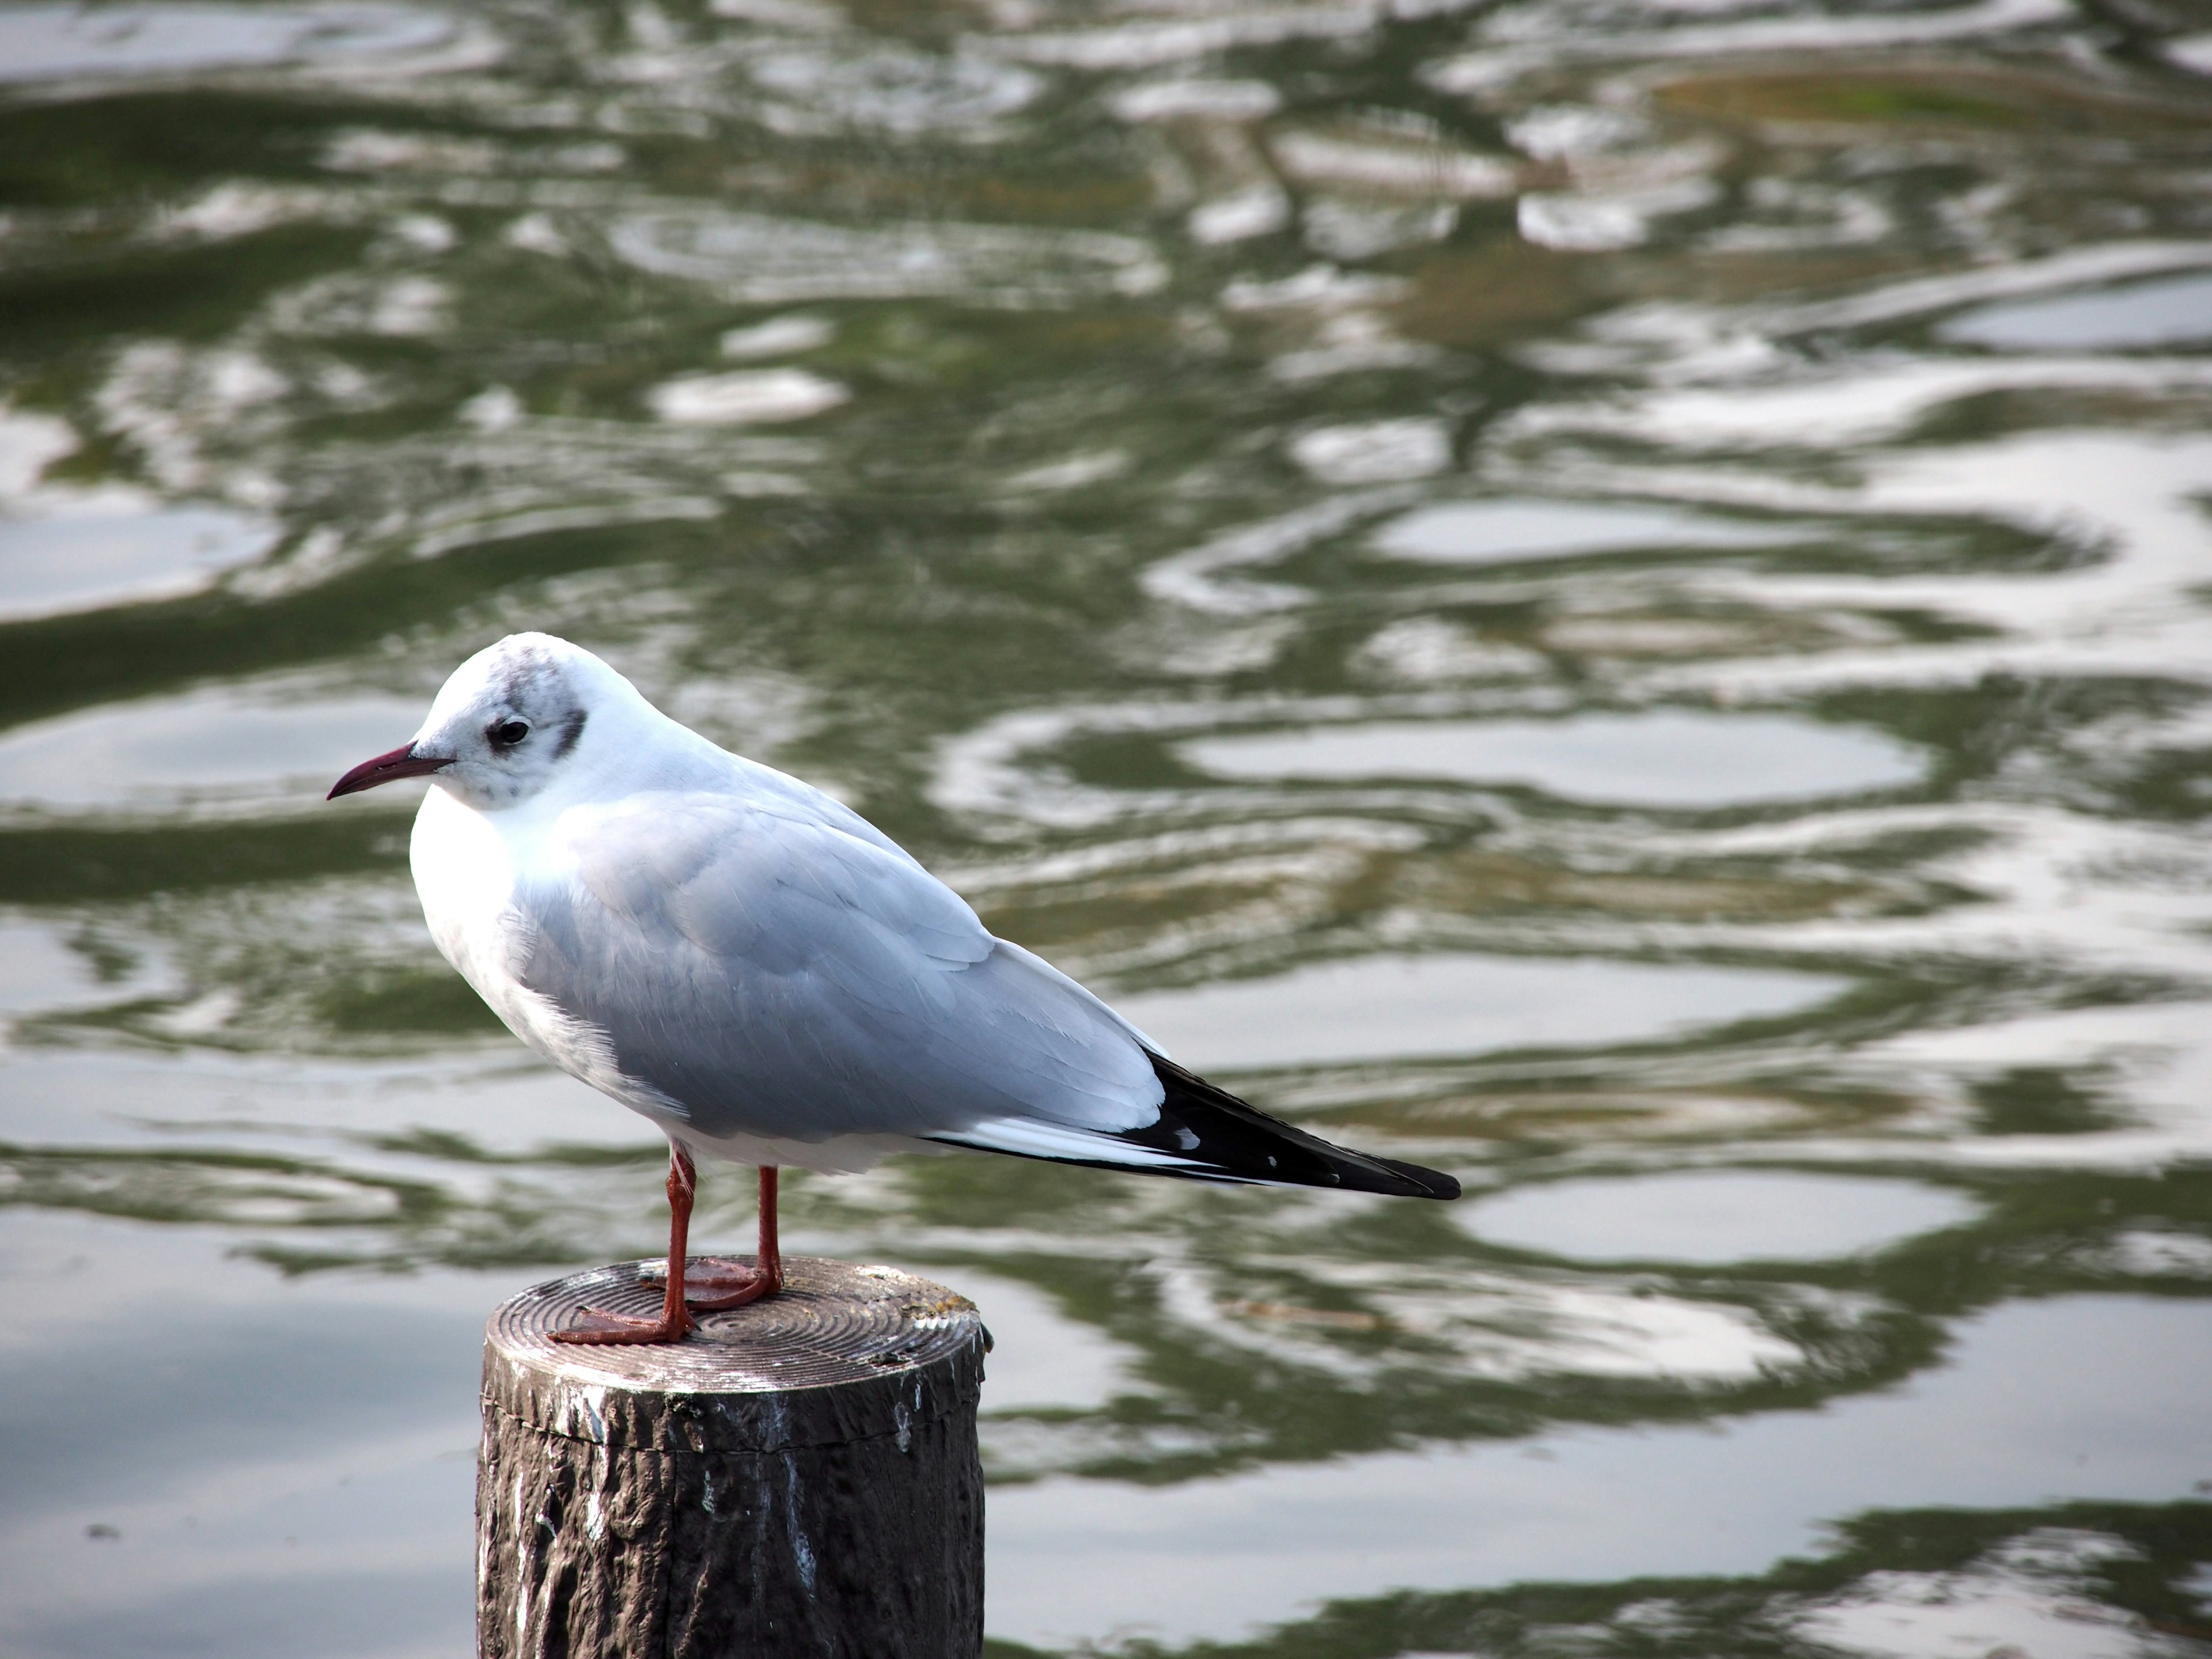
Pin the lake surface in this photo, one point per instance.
(1615, 597)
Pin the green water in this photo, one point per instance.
(1613, 598)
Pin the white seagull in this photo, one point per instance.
(767, 976)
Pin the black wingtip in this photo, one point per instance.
(1433, 1183)
(1237, 1141)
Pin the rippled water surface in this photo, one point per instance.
(1614, 597)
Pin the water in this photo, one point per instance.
(1611, 597)
(1387, 1007)
(1671, 758)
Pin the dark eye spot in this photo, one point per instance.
(508, 733)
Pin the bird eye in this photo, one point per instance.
(508, 733)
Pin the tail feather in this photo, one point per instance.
(1206, 1133)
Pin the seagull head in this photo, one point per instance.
(508, 724)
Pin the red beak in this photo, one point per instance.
(401, 763)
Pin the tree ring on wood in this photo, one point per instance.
(893, 1350)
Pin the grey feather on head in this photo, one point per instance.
(514, 716)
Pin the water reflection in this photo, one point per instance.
(98, 547)
(1678, 758)
(2037, 1592)
(753, 259)
(325, 1482)
(1598, 1504)
(1052, 1363)
(2175, 312)
(1392, 1007)
(1612, 598)
(1724, 1215)
(238, 749)
(1508, 532)
(104, 43)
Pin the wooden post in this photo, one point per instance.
(798, 1477)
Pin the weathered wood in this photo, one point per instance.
(799, 1478)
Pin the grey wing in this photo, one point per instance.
(765, 970)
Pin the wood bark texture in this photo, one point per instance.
(798, 1477)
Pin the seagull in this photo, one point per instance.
(766, 975)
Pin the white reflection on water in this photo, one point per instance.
(745, 396)
(41, 973)
(758, 260)
(1393, 1007)
(68, 548)
(1749, 334)
(1533, 36)
(1180, 99)
(2135, 499)
(2114, 1412)
(79, 550)
(1670, 757)
(787, 335)
(507, 1105)
(38, 970)
(225, 747)
(1714, 1216)
(2152, 1062)
(1862, 403)
(1500, 1326)
(63, 42)
(2036, 1594)
(1040, 1359)
(317, 1468)
(2175, 312)
(889, 88)
(1374, 451)
(1508, 531)
(1203, 30)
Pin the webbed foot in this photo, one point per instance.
(712, 1284)
(597, 1326)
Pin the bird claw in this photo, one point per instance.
(597, 1326)
(711, 1286)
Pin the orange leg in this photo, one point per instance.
(719, 1285)
(596, 1325)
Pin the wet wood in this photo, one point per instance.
(799, 1478)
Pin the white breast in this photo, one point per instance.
(465, 873)
(466, 885)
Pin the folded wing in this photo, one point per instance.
(771, 966)
(774, 972)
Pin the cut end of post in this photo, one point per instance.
(800, 1476)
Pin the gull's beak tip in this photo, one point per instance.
(400, 763)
